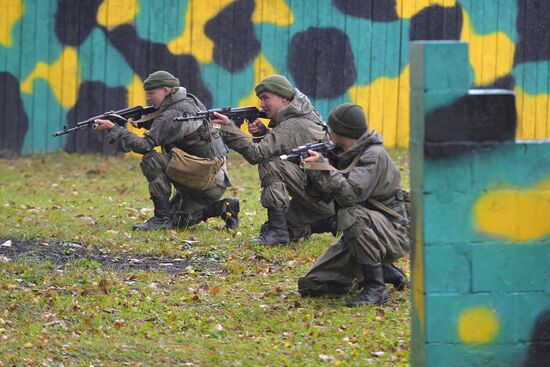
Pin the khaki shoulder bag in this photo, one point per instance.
(193, 172)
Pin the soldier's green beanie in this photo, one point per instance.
(276, 84)
(159, 79)
(348, 120)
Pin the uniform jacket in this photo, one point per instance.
(191, 136)
(374, 176)
(293, 125)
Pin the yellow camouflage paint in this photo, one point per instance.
(386, 104)
(491, 55)
(533, 114)
(514, 213)
(136, 96)
(273, 11)
(262, 68)
(112, 13)
(193, 40)
(408, 9)
(478, 325)
(62, 75)
(12, 11)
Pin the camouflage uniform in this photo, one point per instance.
(293, 125)
(194, 137)
(370, 236)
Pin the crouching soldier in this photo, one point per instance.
(293, 122)
(365, 184)
(184, 144)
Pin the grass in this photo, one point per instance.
(235, 305)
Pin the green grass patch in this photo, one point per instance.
(235, 305)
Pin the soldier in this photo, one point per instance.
(189, 205)
(365, 184)
(294, 122)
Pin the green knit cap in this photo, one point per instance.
(276, 84)
(348, 120)
(159, 79)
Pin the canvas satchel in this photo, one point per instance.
(193, 172)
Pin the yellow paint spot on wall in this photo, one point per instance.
(112, 13)
(62, 75)
(193, 40)
(12, 11)
(515, 213)
(262, 68)
(386, 104)
(273, 11)
(478, 325)
(408, 9)
(533, 116)
(491, 55)
(136, 96)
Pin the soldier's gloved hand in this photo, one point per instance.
(257, 128)
(220, 119)
(101, 125)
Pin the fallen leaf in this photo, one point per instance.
(104, 285)
(118, 323)
(326, 357)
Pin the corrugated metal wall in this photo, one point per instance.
(63, 61)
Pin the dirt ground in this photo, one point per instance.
(61, 253)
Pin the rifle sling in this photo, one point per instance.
(148, 117)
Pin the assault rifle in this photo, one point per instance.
(302, 151)
(119, 117)
(238, 114)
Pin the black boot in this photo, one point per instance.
(375, 291)
(394, 275)
(230, 214)
(161, 220)
(227, 209)
(275, 231)
(325, 225)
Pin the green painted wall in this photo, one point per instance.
(481, 286)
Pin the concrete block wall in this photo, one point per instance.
(481, 209)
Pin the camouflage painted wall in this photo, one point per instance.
(481, 286)
(66, 60)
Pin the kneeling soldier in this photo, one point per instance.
(197, 138)
(365, 184)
